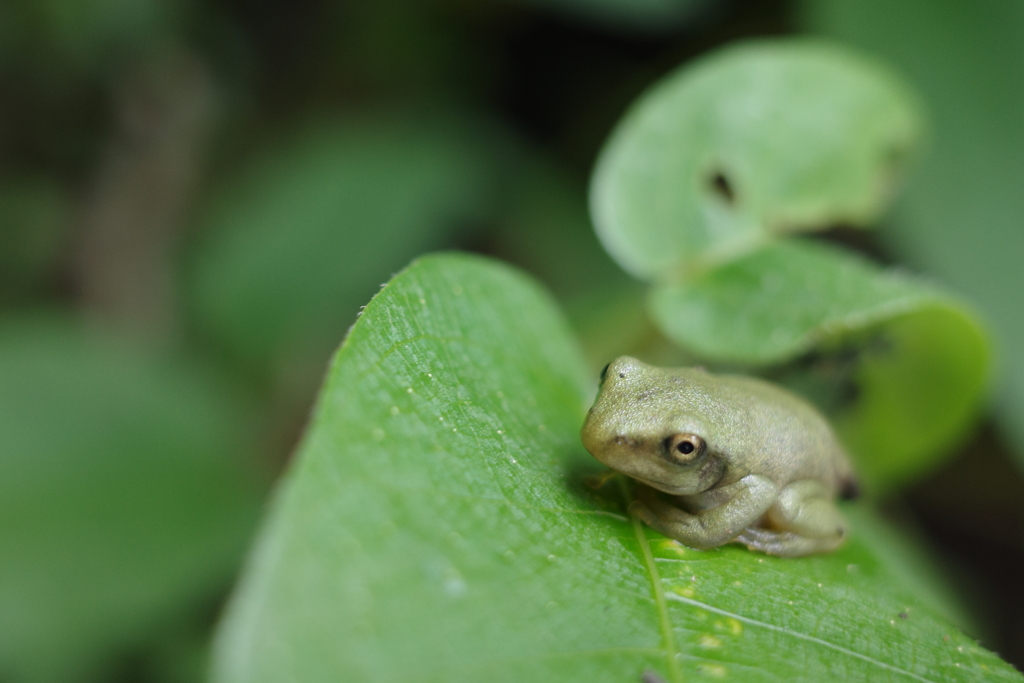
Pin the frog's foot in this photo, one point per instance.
(597, 481)
(785, 543)
(669, 520)
(709, 528)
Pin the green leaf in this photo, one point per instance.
(123, 497)
(916, 387)
(311, 228)
(961, 218)
(753, 141)
(435, 527)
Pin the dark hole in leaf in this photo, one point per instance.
(722, 187)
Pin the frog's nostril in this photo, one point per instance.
(624, 366)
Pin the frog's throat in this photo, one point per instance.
(723, 479)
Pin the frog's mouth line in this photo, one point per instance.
(664, 488)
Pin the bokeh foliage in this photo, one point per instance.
(125, 490)
(196, 198)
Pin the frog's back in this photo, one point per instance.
(780, 434)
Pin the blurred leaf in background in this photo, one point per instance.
(125, 491)
(752, 142)
(963, 215)
(308, 229)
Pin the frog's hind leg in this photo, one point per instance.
(804, 520)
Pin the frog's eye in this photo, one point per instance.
(604, 371)
(684, 448)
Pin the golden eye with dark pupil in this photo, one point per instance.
(683, 447)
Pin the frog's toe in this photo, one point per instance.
(785, 543)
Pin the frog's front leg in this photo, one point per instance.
(712, 527)
(804, 521)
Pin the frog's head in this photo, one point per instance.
(647, 423)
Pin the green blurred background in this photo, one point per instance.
(197, 196)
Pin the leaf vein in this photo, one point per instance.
(797, 634)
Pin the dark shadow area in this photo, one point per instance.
(594, 485)
(970, 512)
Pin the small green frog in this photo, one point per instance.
(740, 459)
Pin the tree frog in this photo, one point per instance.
(721, 458)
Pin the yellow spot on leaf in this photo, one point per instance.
(712, 670)
(708, 641)
(672, 548)
(685, 591)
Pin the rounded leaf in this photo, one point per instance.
(756, 140)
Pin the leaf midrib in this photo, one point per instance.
(667, 634)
